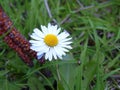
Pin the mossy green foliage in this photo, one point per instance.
(92, 63)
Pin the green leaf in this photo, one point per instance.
(67, 73)
(111, 73)
(89, 73)
(35, 84)
(60, 86)
(6, 85)
(2, 73)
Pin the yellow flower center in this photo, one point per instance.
(51, 40)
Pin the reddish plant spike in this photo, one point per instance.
(5, 22)
(21, 42)
(15, 40)
(19, 51)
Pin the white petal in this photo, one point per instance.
(49, 25)
(36, 48)
(35, 42)
(53, 53)
(38, 32)
(40, 48)
(52, 29)
(40, 52)
(58, 54)
(62, 35)
(40, 56)
(59, 51)
(65, 40)
(65, 43)
(66, 46)
(55, 27)
(44, 29)
(58, 31)
(39, 43)
(48, 55)
(40, 36)
(35, 37)
(60, 57)
(66, 32)
(63, 49)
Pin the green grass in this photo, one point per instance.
(92, 64)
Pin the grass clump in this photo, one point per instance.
(92, 64)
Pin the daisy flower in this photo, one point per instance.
(50, 41)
